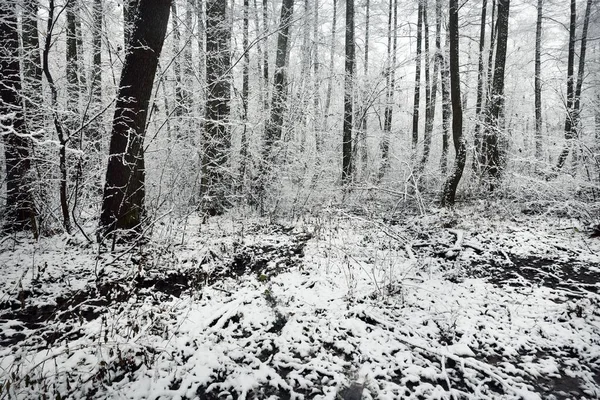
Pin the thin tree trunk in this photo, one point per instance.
(20, 210)
(431, 91)
(95, 131)
(417, 96)
(390, 87)
(124, 192)
(265, 16)
(363, 130)
(245, 93)
(331, 59)
(446, 106)
(178, 109)
(573, 117)
(72, 66)
(496, 109)
(538, 82)
(480, 83)
(316, 91)
(63, 137)
(215, 184)
(449, 193)
(348, 94)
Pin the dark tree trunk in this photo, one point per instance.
(364, 120)
(129, 12)
(431, 88)
(390, 87)
(480, 82)
(178, 109)
(449, 193)
(265, 19)
(245, 93)
(216, 182)
(124, 192)
(574, 101)
(279, 99)
(72, 65)
(538, 82)
(95, 131)
(32, 66)
(417, 97)
(63, 137)
(20, 211)
(496, 108)
(446, 106)
(348, 94)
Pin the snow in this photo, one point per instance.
(250, 309)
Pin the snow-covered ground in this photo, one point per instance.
(449, 305)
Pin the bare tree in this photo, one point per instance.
(480, 88)
(460, 147)
(20, 210)
(574, 94)
(124, 192)
(215, 184)
(417, 96)
(496, 106)
(348, 94)
(538, 81)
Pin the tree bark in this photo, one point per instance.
(390, 87)
(95, 131)
(446, 106)
(331, 59)
(496, 108)
(20, 211)
(72, 65)
(417, 96)
(574, 101)
(449, 192)
(432, 96)
(216, 181)
(348, 94)
(538, 82)
(480, 90)
(124, 192)
(32, 67)
(245, 93)
(63, 137)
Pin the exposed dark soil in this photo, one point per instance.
(28, 315)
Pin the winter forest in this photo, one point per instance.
(300, 199)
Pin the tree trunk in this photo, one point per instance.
(574, 101)
(390, 87)
(265, 16)
(245, 92)
(460, 147)
(446, 106)
(417, 97)
(480, 83)
(364, 124)
(331, 59)
(124, 192)
(20, 210)
(32, 67)
(348, 94)
(215, 184)
(72, 66)
(178, 109)
(129, 12)
(63, 137)
(538, 82)
(493, 121)
(432, 90)
(95, 132)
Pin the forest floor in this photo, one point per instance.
(477, 303)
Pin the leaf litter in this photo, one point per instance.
(338, 306)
